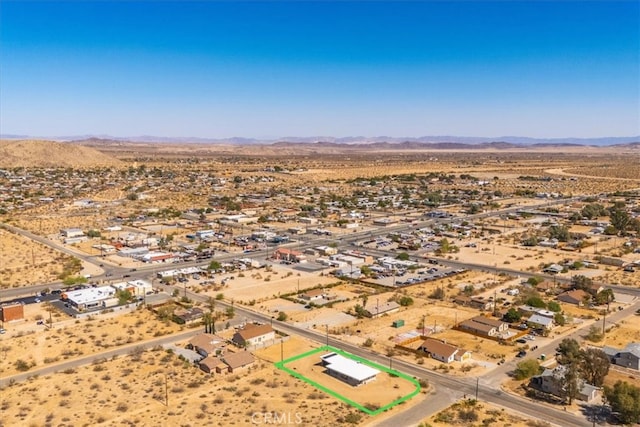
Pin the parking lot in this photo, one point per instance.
(421, 275)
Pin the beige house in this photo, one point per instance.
(253, 334)
(443, 352)
(207, 344)
(484, 326)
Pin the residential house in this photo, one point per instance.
(207, 344)
(376, 309)
(576, 297)
(552, 381)
(474, 302)
(211, 364)
(312, 295)
(188, 315)
(442, 351)
(253, 334)
(628, 357)
(541, 322)
(236, 361)
(484, 326)
(553, 268)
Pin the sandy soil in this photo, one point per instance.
(24, 262)
(468, 414)
(70, 338)
(375, 394)
(262, 284)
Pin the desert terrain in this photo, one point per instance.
(126, 194)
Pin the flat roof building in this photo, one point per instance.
(348, 370)
(88, 298)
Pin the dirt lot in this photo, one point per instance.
(382, 391)
(626, 331)
(261, 284)
(470, 414)
(24, 262)
(70, 338)
(133, 390)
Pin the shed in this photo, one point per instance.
(398, 323)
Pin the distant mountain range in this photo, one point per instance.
(444, 142)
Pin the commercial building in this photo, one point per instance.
(85, 299)
(350, 371)
(11, 312)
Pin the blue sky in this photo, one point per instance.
(274, 69)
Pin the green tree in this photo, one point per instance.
(559, 319)
(124, 296)
(530, 241)
(593, 210)
(624, 399)
(594, 366)
(207, 321)
(365, 270)
(535, 281)
(582, 282)
(568, 351)
(403, 256)
(559, 232)
(512, 316)
(359, 310)
(214, 265)
(535, 301)
(526, 369)
(554, 306)
(570, 383)
(605, 296)
(93, 233)
(405, 301)
(619, 219)
(282, 316)
(230, 312)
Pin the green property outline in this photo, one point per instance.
(281, 365)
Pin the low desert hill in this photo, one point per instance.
(33, 153)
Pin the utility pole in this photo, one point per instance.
(166, 391)
(477, 386)
(327, 328)
(281, 349)
(495, 306)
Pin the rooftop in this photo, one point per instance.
(349, 367)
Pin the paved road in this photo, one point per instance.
(451, 387)
(86, 360)
(455, 387)
(308, 241)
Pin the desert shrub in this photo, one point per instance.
(21, 365)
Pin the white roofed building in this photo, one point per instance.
(348, 370)
(89, 298)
